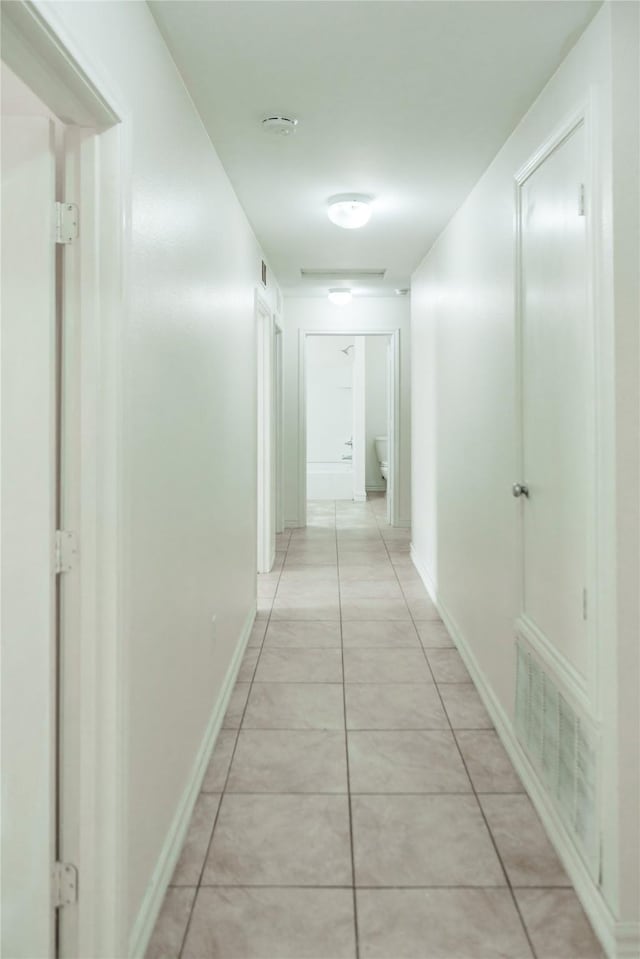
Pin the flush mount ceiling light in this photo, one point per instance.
(280, 126)
(349, 210)
(340, 297)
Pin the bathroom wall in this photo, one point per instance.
(329, 398)
(376, 413)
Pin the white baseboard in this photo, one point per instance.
(172, 847)
(619, 940)
(429, 585)
(377, 489)
(627, 940)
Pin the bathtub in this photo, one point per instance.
(330, 480)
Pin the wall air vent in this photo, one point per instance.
(562, 747)
(340, 274)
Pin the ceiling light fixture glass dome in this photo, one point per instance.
(349, 210)
(340, 297)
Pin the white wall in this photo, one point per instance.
(376, 376)
(329, 398)
(364, 315)
(189, 357)
(464, 438)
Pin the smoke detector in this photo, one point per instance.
(280, 126)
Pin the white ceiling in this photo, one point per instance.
(406, 101)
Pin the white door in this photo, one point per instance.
(555, 467)
(28, 526)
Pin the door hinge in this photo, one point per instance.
(581, 201)
(65, 884)
(66, 556)
(67, 217)
(584, 604)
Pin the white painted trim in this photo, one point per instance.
(596, 696)
(174, 840)
(583, 690)
(40, 51)
(266, 429)
(429, 584)
(395, 438)
(393, 487)
(573, 683)
(302, 428)
(279, 422)
(561, 133)
(619, 940)
(627, 940)
(359, 419)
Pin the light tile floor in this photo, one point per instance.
(359, 802)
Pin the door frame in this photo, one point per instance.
(37, 47)
(584, 693)
(359, 420)
(267, 431)
(279, 421)
(393, 485)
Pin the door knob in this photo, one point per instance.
(519, 489)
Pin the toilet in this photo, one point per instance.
(383, 455)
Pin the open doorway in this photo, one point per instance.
(270, 519)
(349, 419)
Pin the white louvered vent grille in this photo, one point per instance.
(562, 748)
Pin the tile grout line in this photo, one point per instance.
(346, 750)
(361, 792)
(368, 886)
(233, 752)
(476, 795)
(449, 728)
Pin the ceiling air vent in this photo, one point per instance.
(340, 274)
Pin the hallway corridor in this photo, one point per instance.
(417, 799)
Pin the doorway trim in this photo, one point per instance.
(584, 692)
(279, 421)
(393, 486)
(598, 698)
(37, 47)
(267, 430)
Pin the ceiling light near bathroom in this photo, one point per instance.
(349, 210)
(340, 297)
